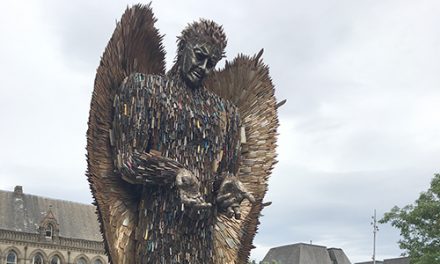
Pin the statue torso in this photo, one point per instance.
(192, 127)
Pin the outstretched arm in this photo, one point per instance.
(134, 127)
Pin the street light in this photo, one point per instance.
(375, 230)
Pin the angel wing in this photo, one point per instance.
(135, 46)
(246, 83)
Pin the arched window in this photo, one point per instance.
(97, 261)
(11, 258)
(81, 261)
(55, 260)
(37, 259)
(49, 231)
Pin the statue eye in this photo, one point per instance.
(210, 64)
(199, 55)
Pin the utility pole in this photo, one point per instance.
(375, 230)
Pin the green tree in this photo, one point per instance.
(419, 225)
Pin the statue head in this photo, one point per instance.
(199, 48)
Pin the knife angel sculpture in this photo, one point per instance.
(178, 162)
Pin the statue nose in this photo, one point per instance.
(203, 66)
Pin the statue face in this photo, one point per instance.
(197, 62)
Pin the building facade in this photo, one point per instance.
(39, 230)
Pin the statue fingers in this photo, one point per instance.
(186, 178)
(236, 209)
(249, 197)
(244, 193)
(223, 197)
(201, 204)
(195, 202)
(229, 212)
(179, 181)
(194, 199)
(228, 202)
(233, 210)
(227, 184)
(187, 200)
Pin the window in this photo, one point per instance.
(11, 258)
(37, 259)
(98, 261)
(49, 230)
(81, 261)
(55, 260)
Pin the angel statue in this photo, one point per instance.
(178, 162)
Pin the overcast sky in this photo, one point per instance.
(360, 130)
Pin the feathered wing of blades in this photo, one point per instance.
(246, 82)
(135, 46)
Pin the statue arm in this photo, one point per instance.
(134, 129)
(150, 168)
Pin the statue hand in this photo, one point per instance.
(188, 187)
(232, 193)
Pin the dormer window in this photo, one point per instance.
(49, 228)
(49, 231)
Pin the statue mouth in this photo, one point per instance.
(196, 75)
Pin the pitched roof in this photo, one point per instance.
(302, 253)
(338, 256)
(403, 260)
(24, 213)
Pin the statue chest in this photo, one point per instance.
(190, 127)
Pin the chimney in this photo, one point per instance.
(18, 190)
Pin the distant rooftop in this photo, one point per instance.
(303, 253)
(401, 260)
(24, 212)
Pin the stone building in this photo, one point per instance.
(39, 230)
(302, 253)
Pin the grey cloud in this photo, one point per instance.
(82, 29)
(47, 180)
(359, 130)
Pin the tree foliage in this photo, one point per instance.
(419, 225)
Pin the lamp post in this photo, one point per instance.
(375, 230)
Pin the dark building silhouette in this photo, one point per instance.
(302, 253)
(402, 260)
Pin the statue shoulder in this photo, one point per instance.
(157, 89)
(151, 84)
(223, 104)
(146, 80)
